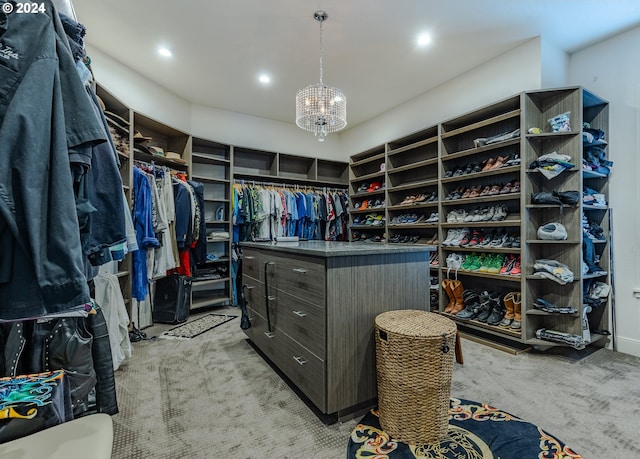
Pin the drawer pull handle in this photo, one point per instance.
(271, 298)
(249, 258)
(250, 287)
(300, 270)
(269, 335)
(300, 360)
(300, 313)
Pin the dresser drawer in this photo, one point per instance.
(259, 334)
(254, 294)
(303, 368)
(302, 277)
(251, 265)
(302, 321)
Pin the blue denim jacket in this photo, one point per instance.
(41, 259)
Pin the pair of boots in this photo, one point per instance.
(513, 317)
(453, 288)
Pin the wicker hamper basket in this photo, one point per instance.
(414, 365)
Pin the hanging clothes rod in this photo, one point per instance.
(296, 186)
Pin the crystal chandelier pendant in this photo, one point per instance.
(320, 108)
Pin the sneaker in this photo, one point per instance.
(494, 266)
(485, 262)
(515, 270)
(471, 260)
(452, 234)
(477, 262)
(507, 264)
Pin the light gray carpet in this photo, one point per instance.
(214, 397)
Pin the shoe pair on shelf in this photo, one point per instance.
(407, 219)
(512, 159)
(419, 199)
(404, 238)
(480, 214)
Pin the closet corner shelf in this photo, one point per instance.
(594, 276)
(588, 207)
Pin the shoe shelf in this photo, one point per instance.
(514, 114)
(205, 158)
(481, 199)
(509, 222)
(482, 249)
(538, 312)
(565, 241)
(368, 210)
(379, 158)
(412, 225)
(424, 163)
(493, 329)
(482, 174)
(414, 185)
(365, 194)
(505, 277)
(410, 207)
(478, 150)
(408, 167)
(201, 178)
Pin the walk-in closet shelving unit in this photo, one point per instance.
(473, 174)
(581, 106)
(367, 194)
(121, 124)
(211, 166)
(275, 168)
(483, 184)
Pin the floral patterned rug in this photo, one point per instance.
(476, 431)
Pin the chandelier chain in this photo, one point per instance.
(321, 52)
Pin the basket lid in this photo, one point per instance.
(410, 322)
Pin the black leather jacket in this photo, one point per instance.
(77, 345)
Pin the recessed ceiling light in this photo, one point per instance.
(165, 52)
(424, 39)
(264, 78)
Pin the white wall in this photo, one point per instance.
(515, 71)
(140, 93)
(223, 126)
(260, 133)
(611, 69)
(555, 65)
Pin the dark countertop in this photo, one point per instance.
(338, 249)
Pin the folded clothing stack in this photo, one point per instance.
(218, 236)
(553, 269)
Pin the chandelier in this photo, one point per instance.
(321, 109)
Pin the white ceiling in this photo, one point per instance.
(370, 53)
